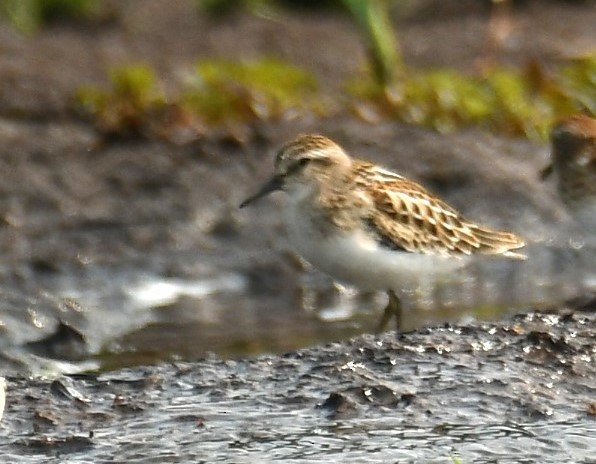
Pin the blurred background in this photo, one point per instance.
(130, 132)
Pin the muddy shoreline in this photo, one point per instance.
(518, 391)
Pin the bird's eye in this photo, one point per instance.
(298, 165)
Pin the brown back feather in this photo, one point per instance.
(410, 218)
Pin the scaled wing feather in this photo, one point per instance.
(407, 217)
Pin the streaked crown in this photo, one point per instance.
(303, 165)
(295, 155)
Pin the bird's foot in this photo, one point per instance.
(393, 309)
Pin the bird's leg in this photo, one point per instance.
(393, 309)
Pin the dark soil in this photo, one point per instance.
(517, 391)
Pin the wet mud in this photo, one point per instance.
(517, 391)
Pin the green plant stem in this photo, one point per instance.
(372, 16)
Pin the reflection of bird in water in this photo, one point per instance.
(573, 161)
(370, 227)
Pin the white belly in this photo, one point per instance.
(355, 258)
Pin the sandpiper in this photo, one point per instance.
(573, 142)
(370, 227)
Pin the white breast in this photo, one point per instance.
(355, 258)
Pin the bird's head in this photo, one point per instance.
(303, 165)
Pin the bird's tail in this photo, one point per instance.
(495, 242)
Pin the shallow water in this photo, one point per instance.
(134, 316)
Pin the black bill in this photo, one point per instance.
(275, 183)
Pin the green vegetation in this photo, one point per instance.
(29, 15)
(128, 106)
(518, 102)
(515, 102)
(512, 101)
(579, 81)
(217, 93)
(222, 93)
(372, 16)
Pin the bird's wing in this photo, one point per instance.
(408, 217)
